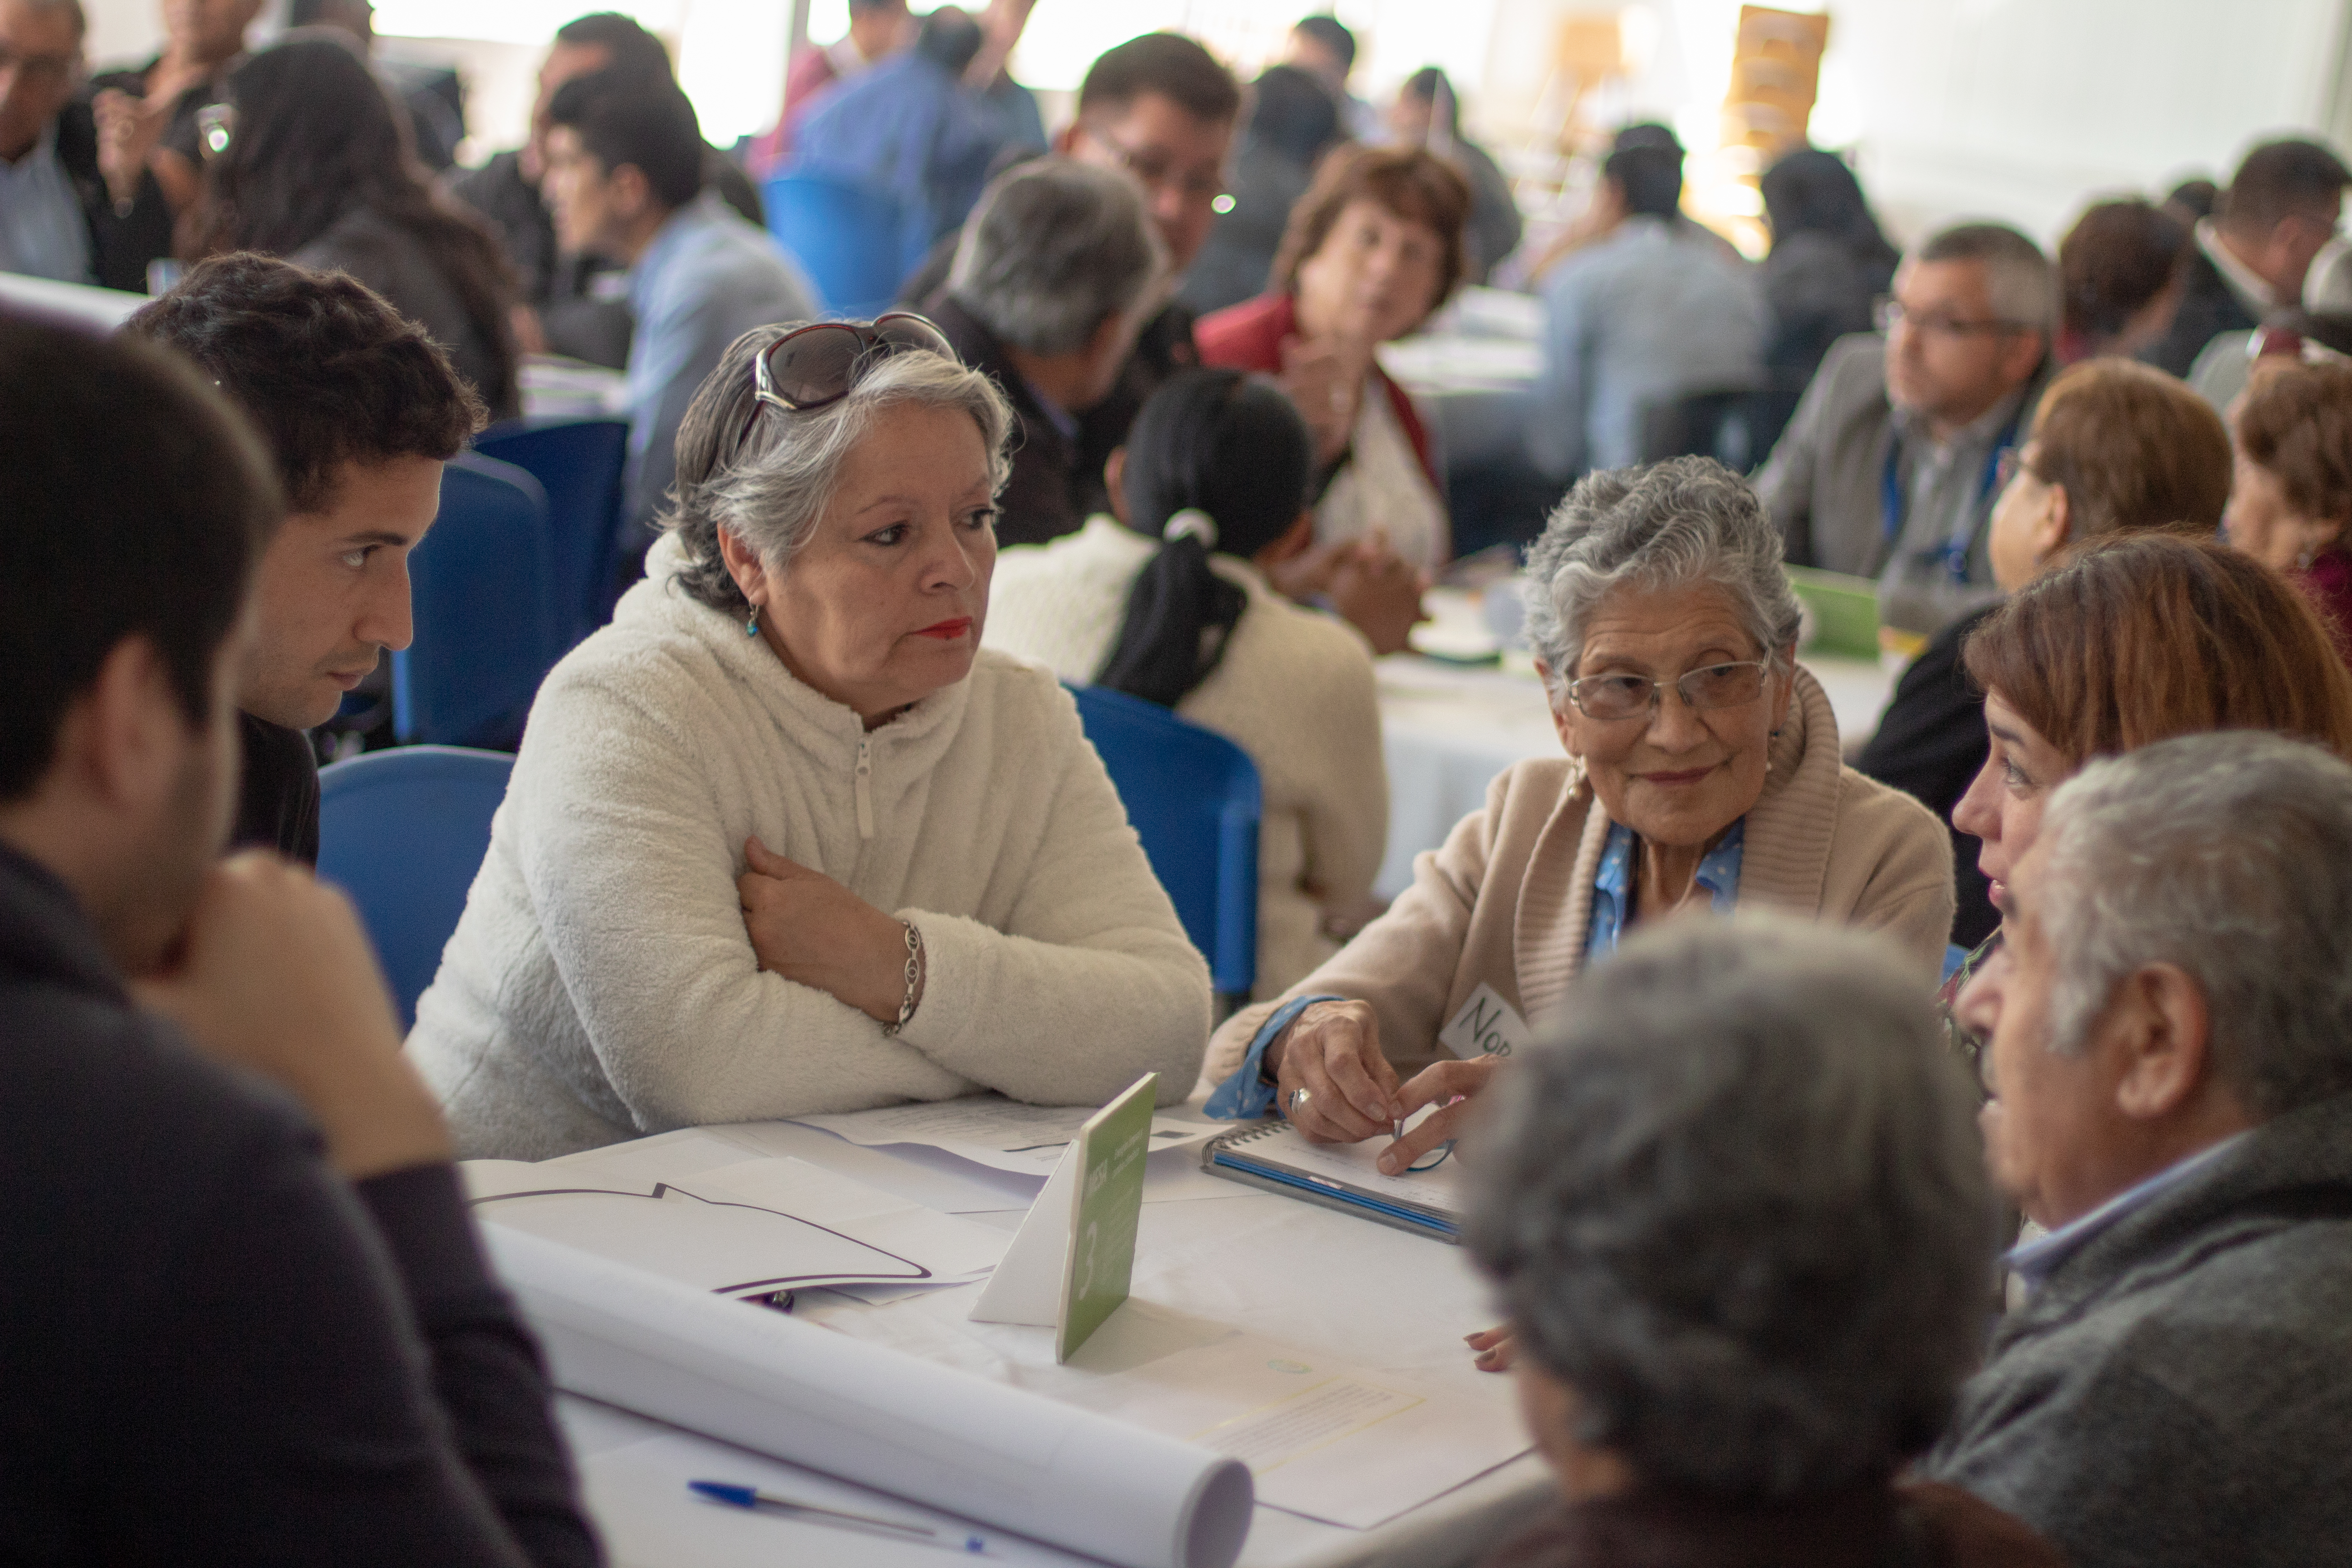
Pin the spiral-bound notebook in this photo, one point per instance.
(1343, 1177)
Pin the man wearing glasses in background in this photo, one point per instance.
(1161, 109)
(1890, 467)
(57, 219)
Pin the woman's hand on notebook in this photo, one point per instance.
(1454, 1086)
(1335, 1086)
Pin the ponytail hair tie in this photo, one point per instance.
(1191, 523)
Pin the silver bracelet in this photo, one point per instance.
(914, 980)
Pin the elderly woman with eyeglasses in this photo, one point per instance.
(1702, 772)
(784, 838)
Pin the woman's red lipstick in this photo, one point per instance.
(948, 631)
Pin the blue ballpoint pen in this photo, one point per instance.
(735, 1496)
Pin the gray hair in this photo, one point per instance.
(1734, 1199)
(768, 486)
(1054, 249)
(2018, 279)
(1683, 523)
(2226, 856)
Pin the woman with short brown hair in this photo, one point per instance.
(2133, 641)
(2293, 499)
(2115, 446)
(1373, 248)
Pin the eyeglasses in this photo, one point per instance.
(812, 366)
(1889, 314)
(2009, 465)
(1705, 689)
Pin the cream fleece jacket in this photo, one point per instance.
(601, 984)
(1506, 901)
(1295, 689)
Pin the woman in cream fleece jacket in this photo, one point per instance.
(784, 771)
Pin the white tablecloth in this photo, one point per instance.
(1447, 731)
(1381, 1299)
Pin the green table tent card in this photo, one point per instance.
(1068, 1267)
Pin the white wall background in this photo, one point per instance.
(2014, 108)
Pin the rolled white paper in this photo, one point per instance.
(871, 1415)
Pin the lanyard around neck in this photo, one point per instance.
(1893, 500)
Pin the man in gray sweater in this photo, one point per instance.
(2171, 1061)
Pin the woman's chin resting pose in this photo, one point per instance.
(782, 840)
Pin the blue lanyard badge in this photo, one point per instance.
(1893, 503)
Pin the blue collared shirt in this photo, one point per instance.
(707, 278)
(1613, 885)
(2034, 1261)
(43, 233)
(1653, 312)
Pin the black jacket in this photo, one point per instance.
(123, 241)
(1931, 745)
(216, 1350)
(2209, 307)
(1051, 492)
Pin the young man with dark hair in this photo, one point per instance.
(362, 409)
(245, 1317)
(1322, 45)
(563, 310)
(624, 181)
(2282, 205)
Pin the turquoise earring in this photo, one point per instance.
(751, 627)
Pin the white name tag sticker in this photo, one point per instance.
(1487, 1026)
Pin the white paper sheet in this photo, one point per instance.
(743, 1227)
(992, 1130)
(1331, 1441)
(789, 1390)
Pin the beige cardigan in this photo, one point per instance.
(1505, 902)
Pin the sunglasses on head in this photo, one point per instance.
(812, 366)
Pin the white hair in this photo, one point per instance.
(769, 485)
(1686, 523)
(1054, 249)
(1736, 1200)
(2230, 855)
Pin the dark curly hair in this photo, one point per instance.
(328, 370)
(318, 137)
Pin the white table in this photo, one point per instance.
(104, 309)
(1379, 1299)
(1448, 730)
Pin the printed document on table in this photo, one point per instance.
(990, 1129)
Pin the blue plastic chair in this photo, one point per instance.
(577, 462)
(850, 238)
(482, 587)
(403, 831)
(1193, 798)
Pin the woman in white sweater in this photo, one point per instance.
(1170, 602)
(782, 839)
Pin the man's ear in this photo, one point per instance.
(2050, 531)
(2158, 1024)
(124, 736)
(1114, 482)
(631, 194)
